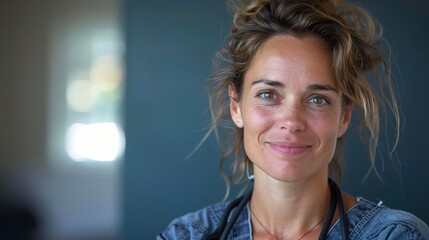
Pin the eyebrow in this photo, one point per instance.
(268, 82)
(274, 83)
(322, 87)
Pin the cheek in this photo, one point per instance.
(257, 120)
(326, 129)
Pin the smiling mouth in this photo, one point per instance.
(289, 148)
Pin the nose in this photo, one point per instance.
(291, 118)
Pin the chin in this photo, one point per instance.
(297, 175)
(289, 177)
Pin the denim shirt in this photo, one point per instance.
(366, 220)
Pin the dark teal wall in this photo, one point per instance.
(406, 28)
(170, 45)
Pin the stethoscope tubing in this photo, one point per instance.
(227, 222)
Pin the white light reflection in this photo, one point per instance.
(102, 141)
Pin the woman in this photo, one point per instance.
(295, 71)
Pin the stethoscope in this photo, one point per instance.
(227, 222)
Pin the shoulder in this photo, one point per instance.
(376, 221)
(195, 225)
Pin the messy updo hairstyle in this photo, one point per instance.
(360, 70)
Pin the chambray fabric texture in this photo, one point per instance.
(366, 220)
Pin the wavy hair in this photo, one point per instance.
(360, 70)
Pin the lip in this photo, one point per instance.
(289, 148)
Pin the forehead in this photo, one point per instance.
(287, 57)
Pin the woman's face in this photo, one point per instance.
(290, 109)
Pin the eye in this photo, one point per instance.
(319, 100)
(267, 95)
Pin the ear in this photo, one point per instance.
(234, 107)
(345, 120)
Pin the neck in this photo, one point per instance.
(289, 209)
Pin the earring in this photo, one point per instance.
(251, 177)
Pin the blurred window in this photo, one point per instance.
(86, 85)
